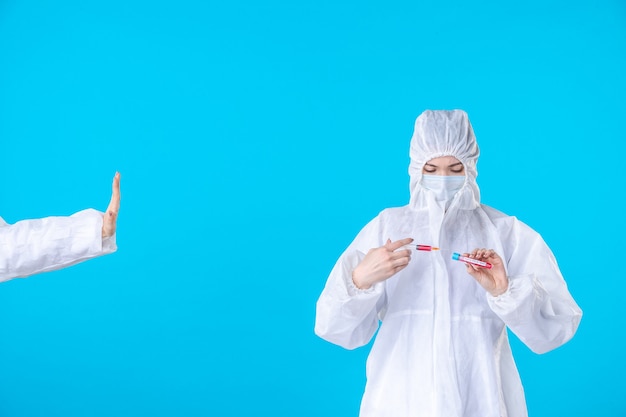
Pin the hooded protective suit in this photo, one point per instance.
(442, 348)
(32, 246)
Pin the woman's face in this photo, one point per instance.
(444, 165)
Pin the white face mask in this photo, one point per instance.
(444, 186)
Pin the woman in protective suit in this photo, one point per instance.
(29, 247)
(442, 348)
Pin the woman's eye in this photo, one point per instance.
(457, 171)
(430, 171)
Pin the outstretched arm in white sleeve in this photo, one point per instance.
(30, 247)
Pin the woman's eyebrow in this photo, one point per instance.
(431, 165)
(455, 164)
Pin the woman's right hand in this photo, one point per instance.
(381, 263)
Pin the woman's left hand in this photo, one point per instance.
(493, 280)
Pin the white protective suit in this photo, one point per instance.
(32, 246)
(442, 349)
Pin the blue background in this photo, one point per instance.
(255, 139)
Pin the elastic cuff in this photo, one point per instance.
(109, 244)
(354, 290)
(502, 296)
(520, 287)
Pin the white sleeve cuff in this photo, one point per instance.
(519, 289)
